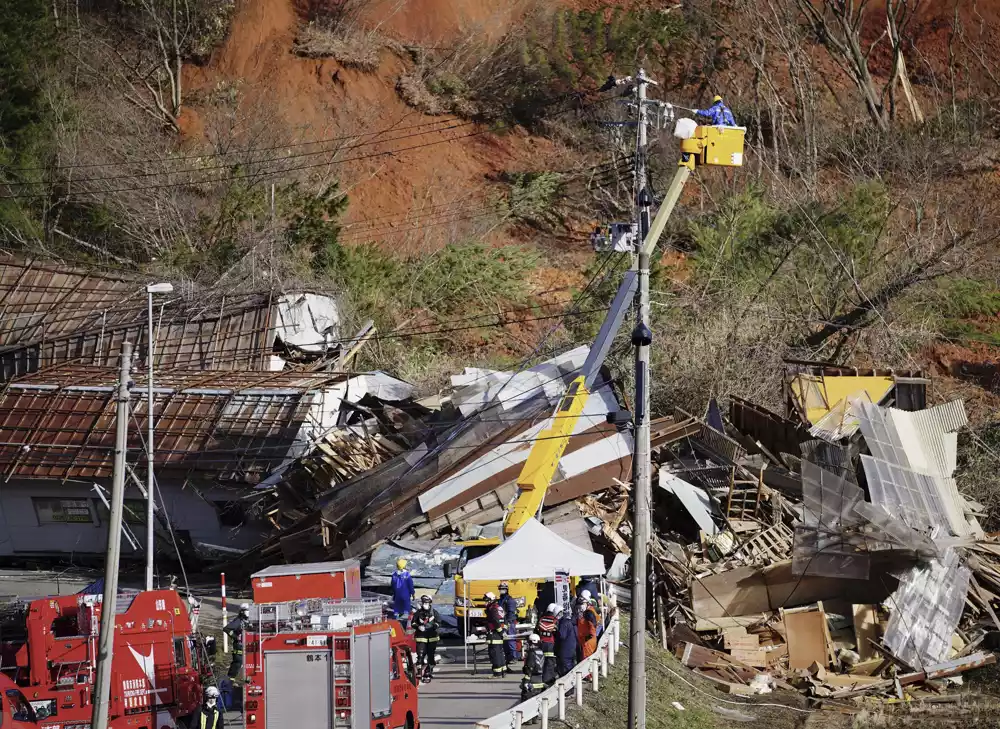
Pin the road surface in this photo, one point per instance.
(457, 698)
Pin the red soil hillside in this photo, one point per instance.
(313, 99)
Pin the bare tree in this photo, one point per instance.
(840, 25)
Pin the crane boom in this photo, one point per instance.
(721, 146)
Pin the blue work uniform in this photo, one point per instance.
(402, 594)
(509, 605)
(566, 645)
(718, 115)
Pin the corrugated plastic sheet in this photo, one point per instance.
(925, 611)
(924, 498)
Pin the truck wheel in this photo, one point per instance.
(409, 720)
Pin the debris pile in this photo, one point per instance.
(829, 551)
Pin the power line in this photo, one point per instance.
(261, 174)
(209, 155)
(266, 160)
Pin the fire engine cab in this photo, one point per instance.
(325, 662)
(48, 647)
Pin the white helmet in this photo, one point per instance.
(585, 595)
(211, 692)
(534, 638)
(552, 608)
(559, 610)
(490, 596)
(245, 607)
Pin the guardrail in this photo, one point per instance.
(595, 668)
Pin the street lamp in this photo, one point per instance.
(158, 288)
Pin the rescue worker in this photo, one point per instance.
(495, 621)
(426, 623)
(235, 630)
(566, 642)
(509, 605)
(534, 661)
(586, 625)
(718, 114)
(402, 592)
(547, 627)
(209, 714)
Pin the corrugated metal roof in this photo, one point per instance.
(44, 300)
(232, 425)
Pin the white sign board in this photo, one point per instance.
(562, 590)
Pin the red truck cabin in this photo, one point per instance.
(305, 671)
(282, 583)
(50, 652)
(15, 711)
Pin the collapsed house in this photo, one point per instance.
(827, 549)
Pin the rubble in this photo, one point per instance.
(827, 550)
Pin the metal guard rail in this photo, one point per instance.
(595, 667)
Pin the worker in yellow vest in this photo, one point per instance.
(209, 715)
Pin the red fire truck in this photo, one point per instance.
(48, 647)
(324, 662)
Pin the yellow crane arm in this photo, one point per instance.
(714, 146)
(543, 460)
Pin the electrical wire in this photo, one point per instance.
(261, 174)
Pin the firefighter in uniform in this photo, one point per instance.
(209, 715)
(534, 662)
(566, 642)
(509, 605)
(235, 630)
(426, 622)
(586, 625)
(547, 627)
(495, 621)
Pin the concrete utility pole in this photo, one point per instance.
(641, 339)
(102, 686)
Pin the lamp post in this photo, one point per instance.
(158, 288)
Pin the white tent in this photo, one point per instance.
(533, 552)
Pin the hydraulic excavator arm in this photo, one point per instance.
(719, 146)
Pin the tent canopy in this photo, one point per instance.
(533, 553)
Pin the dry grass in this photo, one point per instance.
(352, 49)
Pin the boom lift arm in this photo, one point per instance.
(718, 146)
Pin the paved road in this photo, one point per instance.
(457, 698)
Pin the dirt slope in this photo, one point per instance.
(294, 99)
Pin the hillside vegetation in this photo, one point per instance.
(438, 164)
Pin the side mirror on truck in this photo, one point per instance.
(449, 570)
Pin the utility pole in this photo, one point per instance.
(102, 686)
(641, 339)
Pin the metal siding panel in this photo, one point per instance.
(379, 674)
(361, 701)
(293, 682)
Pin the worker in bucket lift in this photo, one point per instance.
(534, 662)
(509, 605)
(426, 622)
(566, 642)
(718, 114)
(209, 714)
(235, 630)
(402, 592)
(495, 621)
(586, 625)
(546, 628)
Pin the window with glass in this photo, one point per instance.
(62, 511)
